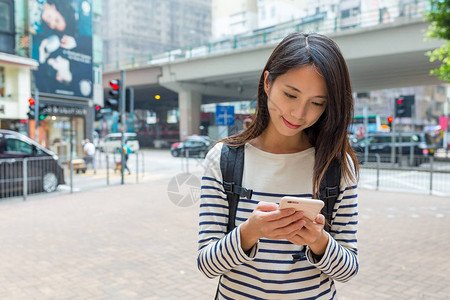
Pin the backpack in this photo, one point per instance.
(232, 167)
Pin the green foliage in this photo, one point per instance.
(439, 17)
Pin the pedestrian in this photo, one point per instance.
(304, 108)
(127, 151)
(89, 154)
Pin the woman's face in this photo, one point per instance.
(296, 100)
(53, 17)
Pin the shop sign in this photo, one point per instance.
(65, 110)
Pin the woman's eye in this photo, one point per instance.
(289, 95)
(318, 103)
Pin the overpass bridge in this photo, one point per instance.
(378, 57)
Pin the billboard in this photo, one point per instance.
(61, 32)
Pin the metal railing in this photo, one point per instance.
(318, 23)
(24, 176)
(422, 174)
(20, 177)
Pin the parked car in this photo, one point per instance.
(111, 143)
(381, 143)
(43, 170)
(197, 145)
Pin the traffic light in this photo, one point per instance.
(98, 112)
(403, 106)
(31, 113)
(112, 101)
(42, 111)
(390, 120)
(129, 102)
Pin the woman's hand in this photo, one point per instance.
(312, 234)
(269, 222)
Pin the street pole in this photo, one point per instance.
(71, 154)
(122, 119)
(36, 115)
(413, 126)
(446, 132)
(366, 132)
(393, 137)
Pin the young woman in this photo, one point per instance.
(304, 108)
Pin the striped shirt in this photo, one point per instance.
(268, 270)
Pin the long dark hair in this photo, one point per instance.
(329, 134)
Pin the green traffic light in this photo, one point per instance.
(42, 117)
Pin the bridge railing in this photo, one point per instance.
(325, 23)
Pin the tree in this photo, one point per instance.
(439, 17)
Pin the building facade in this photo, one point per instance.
(15, 67)
(142, 28)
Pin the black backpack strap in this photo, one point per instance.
(329, 190)
(232, 168)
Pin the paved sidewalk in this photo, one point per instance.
(132, 242)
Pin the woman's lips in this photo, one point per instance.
(290, 125)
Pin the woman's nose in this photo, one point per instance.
(298, 110)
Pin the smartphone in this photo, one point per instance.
(310, 207)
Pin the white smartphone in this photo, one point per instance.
(310, 207)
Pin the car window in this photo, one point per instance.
(18, 146)
(131, 138)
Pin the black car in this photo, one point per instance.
(196, 146)
(43, 171)
(381, 143)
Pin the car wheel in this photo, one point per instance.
(175, 153)
(49, 182)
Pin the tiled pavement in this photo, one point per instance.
(132, 242)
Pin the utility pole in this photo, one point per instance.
(36, 115)
(122, 120)
(366, 132)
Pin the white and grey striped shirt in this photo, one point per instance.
(268, 271)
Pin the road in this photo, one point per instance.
(152, 165)
(159, 164)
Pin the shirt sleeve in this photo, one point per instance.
(218, 252)
(340, 260)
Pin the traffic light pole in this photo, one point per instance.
(36, 115)
(393, 136)
(122, 119)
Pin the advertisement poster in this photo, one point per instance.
(62, 44)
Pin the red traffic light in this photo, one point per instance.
(400, 100)
(31, 101)
(390, 119)
(98, 107)
(115, 84)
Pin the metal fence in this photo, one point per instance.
(416, 174)
(20, 177)
(24, 176)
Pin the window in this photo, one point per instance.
(18, 146)
(5, 21)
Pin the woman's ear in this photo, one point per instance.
(266, 82)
